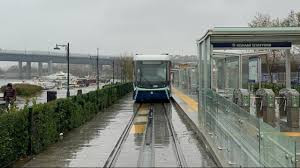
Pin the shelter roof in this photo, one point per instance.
(245, 34)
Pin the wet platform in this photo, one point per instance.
(91, 144)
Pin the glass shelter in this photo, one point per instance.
(240, 138)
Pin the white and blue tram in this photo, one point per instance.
(152, 78)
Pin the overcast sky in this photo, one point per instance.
(116, 26)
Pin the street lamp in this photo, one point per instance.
(67, 47)
(97, 68)
(113, 70)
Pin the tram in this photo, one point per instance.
(152, 78)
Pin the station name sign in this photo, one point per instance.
(250, 45)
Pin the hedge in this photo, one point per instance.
(32, 129)
(275, 87)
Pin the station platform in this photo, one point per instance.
(189, 108)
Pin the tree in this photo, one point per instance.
(126, 66)
(265, 20)
(261, 20)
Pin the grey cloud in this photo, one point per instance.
(115, 26)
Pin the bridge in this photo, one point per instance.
(50, 58)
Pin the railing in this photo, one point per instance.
(243, 139)
(239, 137)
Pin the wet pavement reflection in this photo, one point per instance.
(163, 143)
(129, 154)
(91, 144)
(194, 151)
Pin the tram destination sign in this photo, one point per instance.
(249, 45)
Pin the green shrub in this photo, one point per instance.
(51, 119)
(25, 90)
(13, 136)
(275, 87)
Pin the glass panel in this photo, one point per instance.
(231, 74)
(297, 152)
(220, 64)
(242, 139)
(245, 72)
(277, 149)
(214, 75)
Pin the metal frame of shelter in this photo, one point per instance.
(239, 57)
(239, 38)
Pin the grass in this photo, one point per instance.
(25, 90)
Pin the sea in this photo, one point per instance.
(42, 97)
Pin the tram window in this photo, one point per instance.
(152, 72)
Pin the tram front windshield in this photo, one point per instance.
(152, 74)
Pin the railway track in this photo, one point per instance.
(158, 131)
(110, 162)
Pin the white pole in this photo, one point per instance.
(240, 71)
(288, 69)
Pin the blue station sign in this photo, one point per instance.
(246, 45)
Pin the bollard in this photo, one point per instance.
(79, 92)
(30, 130)
(51, 95)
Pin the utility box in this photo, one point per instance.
(79, 92)
(241, 97)
(265, 105)
(289, 106)
(51, 95)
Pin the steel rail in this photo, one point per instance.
(111, 160)
(146, 154)
(181, 162)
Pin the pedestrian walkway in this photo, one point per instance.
(90, 144)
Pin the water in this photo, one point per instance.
(42, 97)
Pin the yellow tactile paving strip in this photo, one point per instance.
(293, 134)
(138, 129)
(189, 101)
(141, 120)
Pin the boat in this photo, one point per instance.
(58, 76)
(60, 80)
(46, 85)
